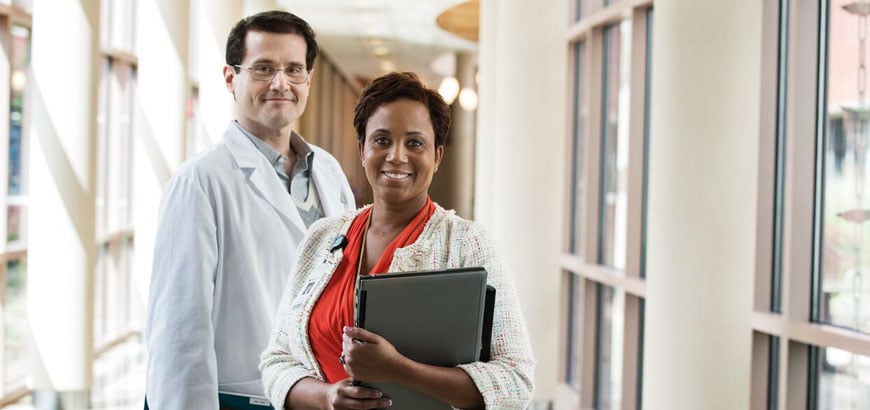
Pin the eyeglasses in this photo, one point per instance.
(263, 72)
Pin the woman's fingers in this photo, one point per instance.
(360, 397)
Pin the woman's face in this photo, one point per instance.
(399, 153)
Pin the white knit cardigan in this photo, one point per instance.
(447, 241)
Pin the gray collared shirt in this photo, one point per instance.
(299, 184)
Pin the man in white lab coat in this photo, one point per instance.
(230, 221)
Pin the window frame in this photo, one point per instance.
(11, 15)
(583, 265)
(790, 166)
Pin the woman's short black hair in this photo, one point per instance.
(397, 86)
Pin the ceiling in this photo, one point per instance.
(367, 38)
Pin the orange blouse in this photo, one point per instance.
(334, 309)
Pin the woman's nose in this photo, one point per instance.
(397, 154)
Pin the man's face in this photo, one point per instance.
(269, 106)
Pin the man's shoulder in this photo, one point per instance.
(322, 155)
(212, 164)
(215, 157)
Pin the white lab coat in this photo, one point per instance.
(226, 242)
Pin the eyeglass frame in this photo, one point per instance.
(275, 71)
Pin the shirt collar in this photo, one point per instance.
(276, 158)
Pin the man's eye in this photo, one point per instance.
(294, 70)
(263, 69)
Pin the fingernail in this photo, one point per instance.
(389, 403)
(344, 329)
(378, 394)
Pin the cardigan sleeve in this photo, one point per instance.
(507, 380)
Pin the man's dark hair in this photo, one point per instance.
(270, 22)
(396, 86)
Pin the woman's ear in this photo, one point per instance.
(439, 154)
(361, 148)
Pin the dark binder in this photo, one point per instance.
(488, 312)
(238, 401)
(434, 317)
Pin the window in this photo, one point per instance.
(614, 154)
(15, 355)
(609, 327)
(113, 311)
(845, 270)
(812, 308)
(578, 196)
(602, 352)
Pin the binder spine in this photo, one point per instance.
(360, 319)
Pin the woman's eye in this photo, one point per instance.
(381, 141)
(415, 143)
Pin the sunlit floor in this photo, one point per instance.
(119, 380)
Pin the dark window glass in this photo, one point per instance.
(843, 381)
(844, 248)
(572, 371)
(578, 194)
(613, 203)
(610, 319)
(15, 325)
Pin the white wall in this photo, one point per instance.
(519, 159)
(702, 201)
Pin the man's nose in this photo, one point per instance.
(280, 81)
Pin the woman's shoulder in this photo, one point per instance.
(446, 220)
(334, 224)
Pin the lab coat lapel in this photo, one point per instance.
(262, 177)
(330, 202)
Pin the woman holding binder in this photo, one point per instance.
(314, 351)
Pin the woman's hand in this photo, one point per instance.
(370, 357)
(343, 395)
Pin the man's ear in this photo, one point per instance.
(229, 75)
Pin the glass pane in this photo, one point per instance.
(844, 382)
(845, 287)
(197, 137)
(779, 167)
(17, 157)
(100, 296)
(16, 218)
(118, 149)
(121, 28)
(578, 194)
(641, 336)
(580, 9)
(25, 5)
(16, 330)
(773, 373)
(608, 350)
(573, 326)
(614, 161)
(646, 129)
(102, 146)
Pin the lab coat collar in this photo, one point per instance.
(262, 176)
